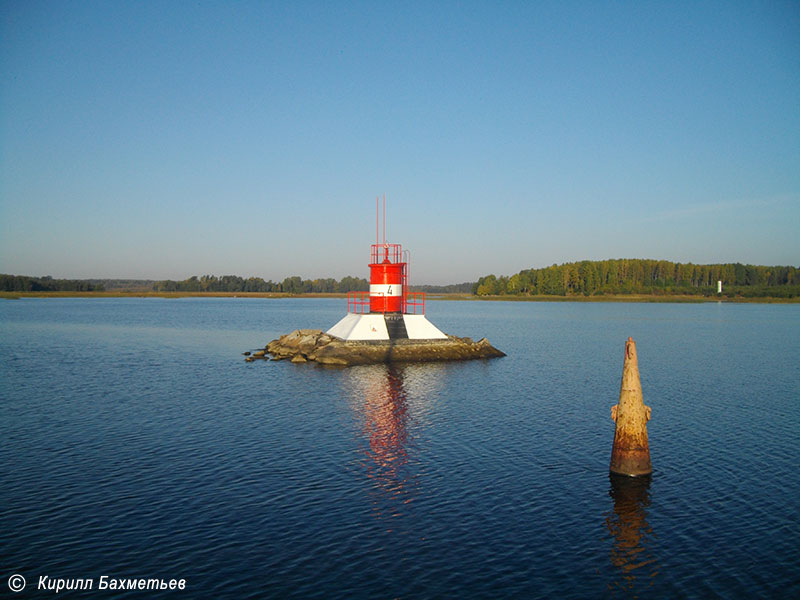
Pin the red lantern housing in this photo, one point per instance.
(387, 279)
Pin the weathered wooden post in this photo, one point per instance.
(631, 452)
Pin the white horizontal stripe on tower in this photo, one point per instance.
(385, 289)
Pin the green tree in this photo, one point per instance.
(487, 286)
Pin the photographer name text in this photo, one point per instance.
(105, 582)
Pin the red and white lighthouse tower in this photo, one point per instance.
(388, 311)
(387, 279)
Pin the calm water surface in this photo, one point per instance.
(136, 442)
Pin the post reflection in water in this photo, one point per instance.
(634, 565)
(389, 416)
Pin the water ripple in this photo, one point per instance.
(140, 444)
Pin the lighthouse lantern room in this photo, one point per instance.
(388, 311)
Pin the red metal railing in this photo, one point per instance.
(414, 303)
(359, 303)
(382, 252)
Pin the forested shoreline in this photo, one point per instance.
(205, 283)
(644, 276)
(24, 283)
(290, 285)
(616, 277)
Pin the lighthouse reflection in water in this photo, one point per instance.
(391, 404)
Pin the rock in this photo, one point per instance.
(246, 353)
(306, 345)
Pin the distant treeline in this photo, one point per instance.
(291, 285)
(139, 285)
(233, 283)
(455, 288)
(588, 278)
(23, 283)
(643, 276)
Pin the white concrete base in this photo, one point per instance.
(373, 327)
(419, 328)
(360, 327)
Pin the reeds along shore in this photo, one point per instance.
(430, 296)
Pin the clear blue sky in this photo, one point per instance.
(167, 139)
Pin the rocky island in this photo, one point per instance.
(314, 345)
